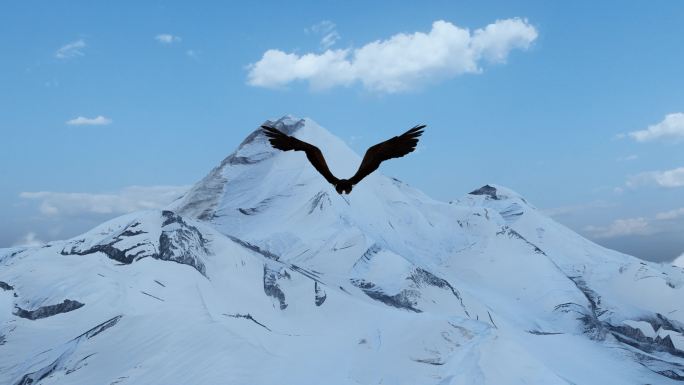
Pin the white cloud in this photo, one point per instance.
(29, 240)
(326, 29)
(70, 50)
(637, 226)
(192, 54)
(672, 127)
(669, 215)
(627, 158)
(167, 38)
(668, 178)
(127, 200)
(400, 63)
(83, 121)
(621, 227)
(329, 39)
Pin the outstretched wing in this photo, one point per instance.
(392, 148)
(284, 142)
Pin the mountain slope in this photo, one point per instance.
(263, 274)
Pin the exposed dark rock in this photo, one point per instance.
(405, 299)
(132, 233)
(671, 374)
(280, 124)
(319, 201)
(10, 255)
(512, 213)
(634, 337)
(593, 326)
(48, 311)
(597, 329)
(320, 294)
(541, 333)
(487, 190)
(6, 286)
(491, 319)
(120, 255)
(153, 296)
(271, 287)
(660, 321)
(423, 277)
(260, 206)
(101, 327)
(254, 248)
(243, 160)
(514, 234)
(429, 361)
(307, 273)
(249, 317)
(79, 364)
(38, 375)
(408, 297)
(368, 254)
(673, 370)
(182, 244)
(179, 242)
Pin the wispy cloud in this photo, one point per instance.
(621, 227)
(659, 223)
(671, 128)
(668, 178)
(400, 63)
(326, 29)
(167, 38)
(628, 158)
(73, 49)
(126, 200)
(83, 121)
(671, 214)
(570, 209)
(29, 240)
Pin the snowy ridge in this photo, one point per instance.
(263, 274)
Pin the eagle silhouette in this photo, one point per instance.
(395, 147)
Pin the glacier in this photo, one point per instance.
(262, 274)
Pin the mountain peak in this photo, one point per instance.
(256, 166)
(287, 124)
(384, 285)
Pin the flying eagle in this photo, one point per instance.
(391, 148)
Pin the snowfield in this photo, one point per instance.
(263, 274)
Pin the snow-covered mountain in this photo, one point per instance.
(263, 274)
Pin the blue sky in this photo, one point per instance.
(109, 107)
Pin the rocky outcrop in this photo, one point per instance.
(405, 299)
(271, 287)
(68, 349)
(178, 242)
(487, 191)
(320, 295)
(48, 311)
(181, 243)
